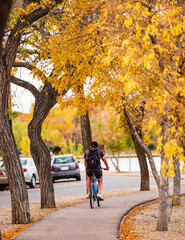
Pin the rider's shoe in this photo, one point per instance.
(87, 196)
(99, 196)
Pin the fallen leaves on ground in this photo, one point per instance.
(10, 231)
(141, 223)
(127, 228)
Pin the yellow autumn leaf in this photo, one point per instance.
(152, 124)
(119, 6)
(170, 148)
(147, 65)
(124, 43)
(164, 165)
(128, 22)
(126, 60)
(158, 130)
(108, 60)
(183, 168)
(171, 174)
(130, 86)
(120, 78)
(173, 129)
(163, 172)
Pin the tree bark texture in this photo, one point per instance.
(140, 151)
(142, 145)
(5, 7)
(163, 217)
(40, 152)
(162, 183)
(19, 196)
(44, 101)
(86, 131)
(18, 190)
(145, 179)
(176, 183)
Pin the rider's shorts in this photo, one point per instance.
(97, 171)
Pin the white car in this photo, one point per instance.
(29, 170)
(1, 162)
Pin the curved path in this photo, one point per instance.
(79, 222)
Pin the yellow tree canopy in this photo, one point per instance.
(61, 126)
(114, 50)
(146, 43)
(75, 51)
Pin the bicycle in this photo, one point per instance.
(94, 191)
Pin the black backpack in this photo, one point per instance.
(93, 158)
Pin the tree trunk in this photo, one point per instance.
(86, 131)
(42, 159)
(44, 101)
(162, 183)
(19, 195)
(176, 183)
(162, 223)
(40, 152)
(145, 180)
(116, 165)
(5, 7)
(18, 190)
(142, 145)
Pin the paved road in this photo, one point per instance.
(72, 187)
(79, 222)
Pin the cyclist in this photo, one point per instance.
(97, 170)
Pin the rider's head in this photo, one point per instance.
(94, 144)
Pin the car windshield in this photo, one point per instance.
(23, 162)
(61, 160)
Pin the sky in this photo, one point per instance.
(22, 98)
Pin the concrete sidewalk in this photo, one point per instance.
(80, 222)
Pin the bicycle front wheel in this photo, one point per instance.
(92, 197)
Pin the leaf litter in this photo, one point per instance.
(9, 230)
(141, 223)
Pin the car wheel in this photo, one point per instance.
(78, 178)
(33, 182)
(2, 187)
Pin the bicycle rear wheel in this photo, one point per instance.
(92, 197)
(98, 202)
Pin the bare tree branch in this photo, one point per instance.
(24, 64)
(29, 67)
(25, 85)
(28, 51)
